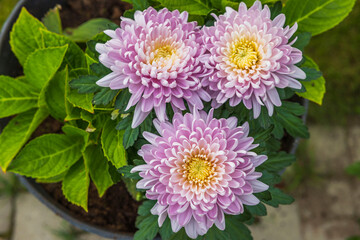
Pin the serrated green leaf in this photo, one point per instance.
(17, 132)
(317, 16)
(16, 96)
(47, 156)
(148, 228)
(303, 39)
(55, 179)
(293, 124)
(315, 89)
(125, 170)
(132, 190)
(215, 233)
(100, 70)
(98, 168)
(105, 96)
(277, 162)
(76, 185)
(52, 20)
(42, 64)
(85, 84)
(258, 210)
(278, 197)
(83, 101)
(74, 57)
(87, 30)
(122, 100)
(140, 4)
(196, 7)
(354, 169)
(236, 228)
(75, 133)
(124, 123)
(130, 136)
(55, 95)
(25, 36)
(112, 144)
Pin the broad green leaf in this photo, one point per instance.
(277, 162)
(74, 57)
(215, 233)
(83, 101)
(25, 36)
(148, 228)
(52, 20)
(131, 188)
(270, 178)
(315, 89)
(55, 95)
(125, 170)
(122, 100)
(16, 96)
(236, 228)
(278, 197)
(317, 16)
(42, 65)
(55, 179)
(75, 133)
(17, 132)
(87, 30)
(47, 156)
(76, 185)
(354, 169)
(196, 7)
(98, 168)
(112, 144)
(303, 39)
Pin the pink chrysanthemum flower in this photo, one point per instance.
(157, 57)
(250, 56)
(198, 169)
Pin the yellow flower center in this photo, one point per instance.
(198, 169)
(164, 52)
(244, 53)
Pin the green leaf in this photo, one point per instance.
(47, 156)
(55, 95)
(52, 20)
(278, 197)
(140, 4)
(100, 70)
(76, 185)
(17, 132)
(42, 65)
(258, 210)
(25, 36)
(277, 162)
(317, 16)
(76, 133)
(125, 170)
(87, 30)
(85, 84)
(315, 89)
(130, 136)
(74, 57)
(112, 144)
(270, 178)
(98, 168)
(16, 96)
(353, 169)
(236, 228)
(148, 228)
(132, 190)
(122, 100)
(216, 234)
(196, 7)
(55, 179)
(293, 124)
(83, 101)
(105, 96)
(303, 39)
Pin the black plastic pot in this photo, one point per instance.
(11, 67)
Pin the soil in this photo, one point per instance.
(74, 13)
(115, 211)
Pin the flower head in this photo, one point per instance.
(198, 169)
(250, 56)
(157, 57)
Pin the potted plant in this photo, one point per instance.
(181, 115)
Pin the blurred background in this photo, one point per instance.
(327, 198)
